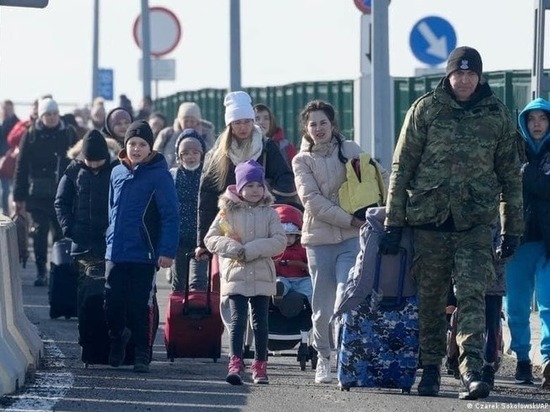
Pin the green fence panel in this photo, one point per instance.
(513, 87)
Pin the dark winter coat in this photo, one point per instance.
(81, 206)
(187, 187)
(40, 164)
(536, 180)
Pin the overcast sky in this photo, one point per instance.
(283, 41)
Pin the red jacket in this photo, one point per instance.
(284, 262)
(17, 132)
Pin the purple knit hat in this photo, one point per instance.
(248, 172)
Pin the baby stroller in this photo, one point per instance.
(290, 319)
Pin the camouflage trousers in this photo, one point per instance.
(468, 257)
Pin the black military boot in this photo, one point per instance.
(430, 381)
(488, 375)
(41, 279)
(475, 387)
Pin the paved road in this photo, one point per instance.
(63, 384)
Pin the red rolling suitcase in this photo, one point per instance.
(194, 327)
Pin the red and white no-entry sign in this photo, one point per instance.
(165, 31)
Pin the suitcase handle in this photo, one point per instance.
(402, 272)
(208, 308)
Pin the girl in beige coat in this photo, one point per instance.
(246, 234)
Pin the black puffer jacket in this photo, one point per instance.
(536, 179)
(40, 164)
(81, 206)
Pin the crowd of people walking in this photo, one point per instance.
(135, 193)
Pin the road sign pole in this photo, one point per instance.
(382, 121)
(362, 88)
(235, 45)
(540, 84)
(95, 51)
(146, 47)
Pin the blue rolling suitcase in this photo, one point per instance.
(379, 340)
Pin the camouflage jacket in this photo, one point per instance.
(456, 160)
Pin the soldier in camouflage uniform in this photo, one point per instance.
(455, 161)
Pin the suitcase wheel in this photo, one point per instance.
(345, 387)
(406, 390)
(215, 360)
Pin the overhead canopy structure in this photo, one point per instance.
(38, 4)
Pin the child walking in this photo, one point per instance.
(187, 176)
(81, 206)
(142, 235)
(246, 234)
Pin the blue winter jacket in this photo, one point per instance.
(143, 212)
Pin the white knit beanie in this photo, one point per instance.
(238, 106)
(47, 105)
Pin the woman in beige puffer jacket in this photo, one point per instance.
(329, 233)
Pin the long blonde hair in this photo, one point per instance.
(219, 162)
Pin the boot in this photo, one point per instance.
(41, 279)
(430, 381)
(475, 387)
(141, 364)
(488, 375)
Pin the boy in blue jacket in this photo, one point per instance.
(142, 235)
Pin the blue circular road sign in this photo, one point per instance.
(432, 39)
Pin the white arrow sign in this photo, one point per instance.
(438, 45)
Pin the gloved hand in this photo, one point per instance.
(507, 247)
(390, 240)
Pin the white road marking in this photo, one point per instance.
(49, 387)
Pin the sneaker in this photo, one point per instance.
(546, 375)
(488, 375)
(259, 372)
(117, 352)
(141, 363)
(141, 366)
(234, 371)
(430, 382)
(524, 373)
(278, 297)
(322, 371)
(474, 385)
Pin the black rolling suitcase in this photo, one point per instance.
(63, 281)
